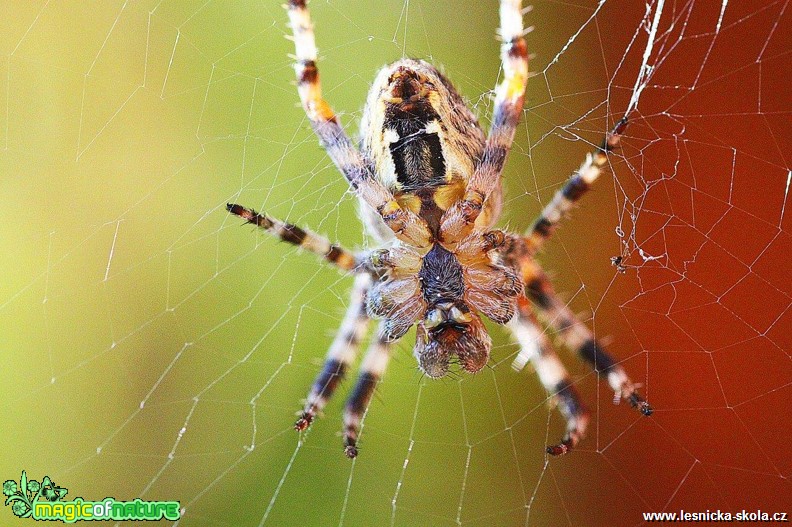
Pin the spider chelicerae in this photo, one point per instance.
(429, 184)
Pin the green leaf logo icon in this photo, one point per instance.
(22, 497)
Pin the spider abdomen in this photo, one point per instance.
(423, 141)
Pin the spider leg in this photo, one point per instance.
(358, 171)
(340, 355)
(509, 98)
(371, 371)
(577, 336)
(575, 188)
(309, 241)
(535, 347)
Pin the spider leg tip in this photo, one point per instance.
(302, 423)
(637, 402)
(235, 209)
(557, 450)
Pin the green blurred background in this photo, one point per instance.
(152, 347)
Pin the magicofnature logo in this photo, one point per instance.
(44, 501)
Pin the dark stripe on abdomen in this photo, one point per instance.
(418, 161)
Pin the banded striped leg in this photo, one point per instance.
(371, 371)
(341, 354)
(406, 225)
(579, 338)
(575, 187)
(307, 240)
(535, 347)
(509, 98)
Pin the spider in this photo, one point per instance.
(429, 184)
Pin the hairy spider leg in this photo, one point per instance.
(577, 336)
(509, 98)
(371, 371)
(406, 225)
(307, 240)
(535, 347)
(341, 354)
(574, 189)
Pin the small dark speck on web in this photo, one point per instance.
(616, 261)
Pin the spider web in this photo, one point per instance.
(154, 348)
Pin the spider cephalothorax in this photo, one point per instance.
(429, 184)
(444, 292)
